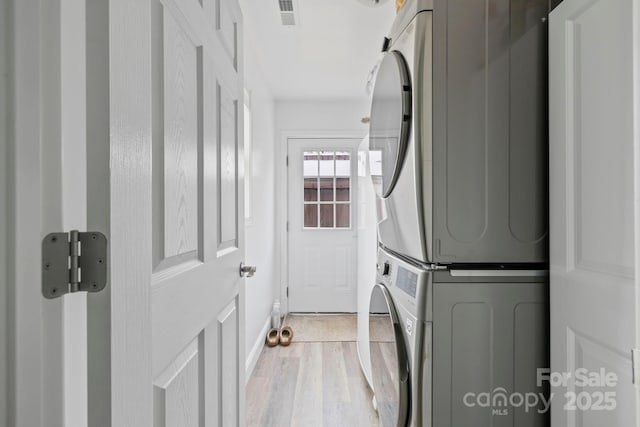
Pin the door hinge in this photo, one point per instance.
(73, 262)
(287, 226)
(287, 292)
(635, 366)
(287, 160)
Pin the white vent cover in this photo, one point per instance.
(287, 14)
(372, 3)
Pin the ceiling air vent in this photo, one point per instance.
(287, 13)
(372, 3)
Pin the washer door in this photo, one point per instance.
(389, 123)
(389, 361)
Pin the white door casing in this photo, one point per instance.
(591, 206)
(4, 249)
(46, 192)
(322, 233)
(636, 172)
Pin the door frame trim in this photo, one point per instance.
(282, 197)
(5, 29)
(636, 178)
(24, 83)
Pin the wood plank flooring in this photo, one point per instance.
(310, 384)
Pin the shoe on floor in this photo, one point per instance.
(273, 337)
(286, 335)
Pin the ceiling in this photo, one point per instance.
(328, 54)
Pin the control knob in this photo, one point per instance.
(386, 269)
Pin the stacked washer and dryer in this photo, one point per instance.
(458, 315)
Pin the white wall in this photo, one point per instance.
(322, 115)
(309, 118)
(260, 237)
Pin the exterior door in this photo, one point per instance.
(322, 188)
(166, 127)
(44, 164)
(593, 235)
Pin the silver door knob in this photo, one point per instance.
(247, 270)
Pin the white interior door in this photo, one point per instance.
(198, 219)
(322, 205)
(173, 310)
(45, 167)
(592, 209)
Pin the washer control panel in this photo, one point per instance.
(407, 281)
(409, 285)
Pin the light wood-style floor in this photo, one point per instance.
(309, 384)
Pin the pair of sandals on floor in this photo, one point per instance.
(279, 336)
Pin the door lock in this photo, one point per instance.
(247, 270)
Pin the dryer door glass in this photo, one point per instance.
(389, 122)
(389, 361)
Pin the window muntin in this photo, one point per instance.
(327, 189)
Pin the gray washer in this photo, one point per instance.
(458, 332)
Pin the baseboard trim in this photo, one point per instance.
(254, 354)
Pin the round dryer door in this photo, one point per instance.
(389, 123)
(389, 361)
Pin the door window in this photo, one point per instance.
(327, 189)
(389, 362)
(390, 120)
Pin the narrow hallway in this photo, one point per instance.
(315, 381)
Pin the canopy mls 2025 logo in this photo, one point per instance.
(597, 393)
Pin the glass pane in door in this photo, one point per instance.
(384, 359)
(390, 118)
(327, 189)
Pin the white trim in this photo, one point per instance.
(129, 196)
(256, 350)
(4, 105)
(636, 172)
(282, 200)
(35, 55)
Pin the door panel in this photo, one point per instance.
(177, 391)
(591, 202)
(182, 115)
(177, 139)
(227, 108)
(228, 367)
(200, 386)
